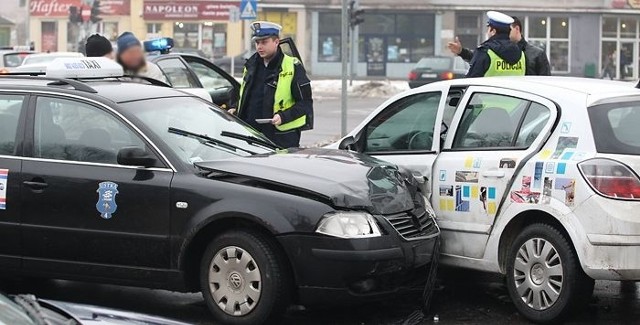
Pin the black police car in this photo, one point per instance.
(115, 181)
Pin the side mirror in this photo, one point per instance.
(134, 156)
(347, 143)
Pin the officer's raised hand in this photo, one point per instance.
(455, 47)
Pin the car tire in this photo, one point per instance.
(255, 289)
(544, 276)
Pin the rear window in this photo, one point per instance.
(434, 63)
(13, 60)
(615, 128)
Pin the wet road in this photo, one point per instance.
(463, 297)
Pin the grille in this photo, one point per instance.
(415, 224)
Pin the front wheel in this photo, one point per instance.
(544, 277)
(243, 279)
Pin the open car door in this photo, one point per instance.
(289, 48)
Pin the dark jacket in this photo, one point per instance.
(300, 89)
(537, 62)
(502, 46)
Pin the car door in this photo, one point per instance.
(12, 117)
(490, 139)
(403, 132)
(83, 213)
(179, 76)
(288, 47)
(223, 88)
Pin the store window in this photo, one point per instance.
(185, 35)
(49, 36)
(109, 30)
(406, 38)
(551, 34)
(619, 48)
(469, 30)
(329, 38)
(154, 30)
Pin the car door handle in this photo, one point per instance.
(493, 173)
(35, 185)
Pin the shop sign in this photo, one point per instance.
(60, 8)
(187, 10)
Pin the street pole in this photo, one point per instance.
(345, 70)
(353, 60)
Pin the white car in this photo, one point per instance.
(532, 177)
(38, 62)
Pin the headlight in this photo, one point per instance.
(350, 224)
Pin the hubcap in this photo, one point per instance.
(235, 281)
(538, 273)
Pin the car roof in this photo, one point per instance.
(71, 54)
(596, 90)
(114, 90)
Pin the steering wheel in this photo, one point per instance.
(420, 140)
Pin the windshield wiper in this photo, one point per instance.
(205, 139)
(250, 139)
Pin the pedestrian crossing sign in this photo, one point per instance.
(248, 9)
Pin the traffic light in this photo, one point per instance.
(95, 12)
(355, 15)
(75, 15)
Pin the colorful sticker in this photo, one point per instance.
(507, 163)
(477, 163)
(443, 175)
(468, 162)
(106, 204)
(466, 177)
(579, 156)
(492, 193)
(474, 191)
(446, 190)
(568, 185)
(567, 155)
(4, 176)
(483, 198)
(546, 191)
(566, 127)
(545, 153)
(526, 184)
(565, 143)
(562, 168)
(550, 168)
(466, 192)
(537, 174)
(491, 208)
(525, 197)
(450, 205)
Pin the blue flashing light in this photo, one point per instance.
(159, 45)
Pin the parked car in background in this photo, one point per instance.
(38, 62)
(437, 68)
(225, 62)
(535, 178)
(10, 59)
(192, 51)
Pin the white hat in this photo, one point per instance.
(264, 29)
(498, 19)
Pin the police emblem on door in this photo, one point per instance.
(106, 205)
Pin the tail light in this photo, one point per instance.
(413, 75)
(446, 75)
(611, 178)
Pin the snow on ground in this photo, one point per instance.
(361, 88)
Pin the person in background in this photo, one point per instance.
(98, 46)
(536, 57)
(132, 58)
(275, 96)
(498, 55)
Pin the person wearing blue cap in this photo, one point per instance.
(498, 55)
(275, 95)
(131, 57)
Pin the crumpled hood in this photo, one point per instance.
(346, 179)
(88, 315)
(504, 48)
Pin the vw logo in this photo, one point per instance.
(235, 280)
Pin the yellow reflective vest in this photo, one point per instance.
(501, 68)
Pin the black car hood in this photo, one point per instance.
(89, 315)
(346, 179)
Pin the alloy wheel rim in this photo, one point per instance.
(538, 274)
(235, 281)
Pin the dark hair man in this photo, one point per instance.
(497, 56)
(98, 46)
(275, 96)
(537, 61)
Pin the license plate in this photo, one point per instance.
(429, 75)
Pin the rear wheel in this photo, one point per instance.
(544, 277)
(243, 279)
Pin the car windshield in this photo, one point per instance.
(12, 60)
(434, 63)
(12, 314)
(615, 127)
(184, 123)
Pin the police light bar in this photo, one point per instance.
(84, 68)
(158, 45)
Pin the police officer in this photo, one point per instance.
(275, 96)
(498, 56)
(536, 57)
